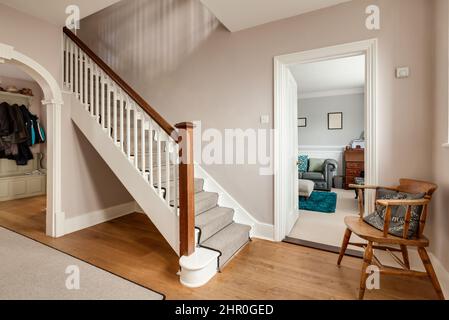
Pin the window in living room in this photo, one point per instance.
(331, 150)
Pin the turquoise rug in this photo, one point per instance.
(325, 202)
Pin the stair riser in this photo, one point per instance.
(204, 205)
(199, 184)
(215, 225)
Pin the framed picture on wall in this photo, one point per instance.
(335, 121)
(302, 122)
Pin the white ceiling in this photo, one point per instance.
(11, 71)
(330, 76)
(242, 14)
(53, 11)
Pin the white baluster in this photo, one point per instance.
(176, 180)
(122, 121)
(129, 107)
(76, 59)
(136, 137)
(167, 171)
(67, 46)
(114, 112)
(81, 77)
(143, 138)
(108, 105)
(86, 82)
(91, 86)
(102, 99)
(71, 66)
(159, 162)
(97, 94)
(151, 140)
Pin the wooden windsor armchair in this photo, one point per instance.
(383, 240)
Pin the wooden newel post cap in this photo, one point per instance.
(185, 125)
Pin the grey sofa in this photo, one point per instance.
(323, 180)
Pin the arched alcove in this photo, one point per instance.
(53, 103)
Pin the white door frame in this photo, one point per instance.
(53, 102)
(290, 156)
(283, 137)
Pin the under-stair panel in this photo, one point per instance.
(159, 212)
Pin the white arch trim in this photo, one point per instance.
(53, 102)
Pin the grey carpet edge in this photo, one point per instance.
(89, 263)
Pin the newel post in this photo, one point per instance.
(186, 190)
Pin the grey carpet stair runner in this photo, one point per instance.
(218, 231)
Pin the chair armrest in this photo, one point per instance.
(331, 163)
(395, 203)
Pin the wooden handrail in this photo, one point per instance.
(125, 87)
(186, 190)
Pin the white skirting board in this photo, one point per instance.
(259, 230)
(93, 218)
(442, 274)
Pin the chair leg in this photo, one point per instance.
(431, 272)
(405, 256)
(367, 259)
(344, 245)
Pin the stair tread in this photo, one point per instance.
(228, 241)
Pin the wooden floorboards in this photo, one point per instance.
(131, 247)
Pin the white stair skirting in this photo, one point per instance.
(259, 229)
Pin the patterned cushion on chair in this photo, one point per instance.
(303, 165)
(377, 219)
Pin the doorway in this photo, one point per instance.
(287, 155)
(23, 148)
(52, 103)
(331, 147)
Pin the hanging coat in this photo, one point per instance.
(5, 127)
(17, 124)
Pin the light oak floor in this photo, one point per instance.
(132, 248)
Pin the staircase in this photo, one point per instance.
(154, 161)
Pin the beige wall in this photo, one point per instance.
(33, 37)
(439, 219)
(88, 184)
(190, 68)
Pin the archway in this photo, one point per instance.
(53, 102)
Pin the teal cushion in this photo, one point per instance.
(316, 165)
(303, 163)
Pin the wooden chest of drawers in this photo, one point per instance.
(354, 165)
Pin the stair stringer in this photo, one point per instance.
(157, 210)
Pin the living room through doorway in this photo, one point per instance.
(331, 148)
